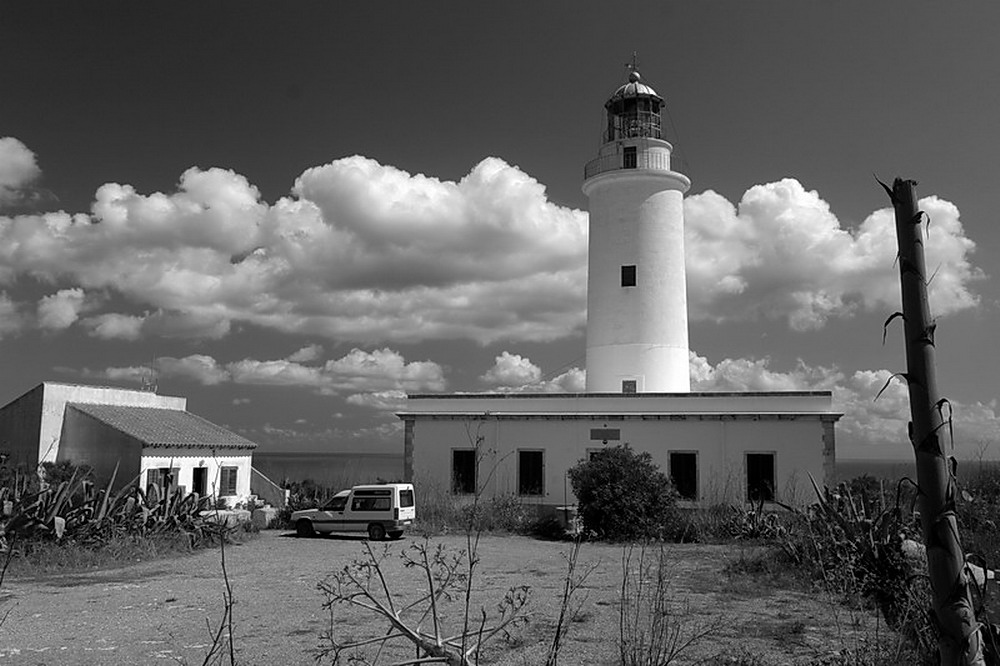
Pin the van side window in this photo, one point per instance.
(405, 498)
(371, 504)
(336, 504)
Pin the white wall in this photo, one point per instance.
(799, 438)
(186, 463)
(638, 332)
(56, 396)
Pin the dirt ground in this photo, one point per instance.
(160, 612)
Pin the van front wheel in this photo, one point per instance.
(376, 532)
(304, 528)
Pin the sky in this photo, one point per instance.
(294, 214)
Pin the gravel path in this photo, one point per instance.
(158, 612)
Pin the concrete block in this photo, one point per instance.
(264, 517)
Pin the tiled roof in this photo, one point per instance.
(165, 427)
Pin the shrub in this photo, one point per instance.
(503, 513)
(623, 495)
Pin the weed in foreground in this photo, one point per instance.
(655, 629)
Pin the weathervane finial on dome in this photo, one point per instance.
(633, 67)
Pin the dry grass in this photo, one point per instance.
(772, 618)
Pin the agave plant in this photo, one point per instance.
(76, 509)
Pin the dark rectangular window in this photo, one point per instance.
(760, 477)
(606, 434)
(630, 386)
(405, 498)
(463, 471)
(628, 276)
(629, 159)
(371, 503)
(684, 474)
(530, 473)
(227, 480)
(164, 478)
(199, 480)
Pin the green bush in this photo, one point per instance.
(622, 495)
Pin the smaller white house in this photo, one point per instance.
(152, 439)
(716, 447)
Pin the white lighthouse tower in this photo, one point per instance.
(637, 330)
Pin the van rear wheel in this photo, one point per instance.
(376, 532)
(395, 535)
(304, 528)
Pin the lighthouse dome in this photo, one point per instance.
(634, 88)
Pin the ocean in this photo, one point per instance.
(342, 470)
(330, 470)
(897, 469)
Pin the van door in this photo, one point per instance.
(331, 518)
(406, 503)
(370, 505)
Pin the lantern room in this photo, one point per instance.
(633, 111)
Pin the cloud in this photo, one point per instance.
(385, 401)
(197, 367)
(756, 375)
(275, 373)
(512, 370)
(782, 254)
(513, 373)
(382, 371)
(59, 310)
(358, 251)
(17, 171)
(113, 326)
(307, 354)
(365, 252)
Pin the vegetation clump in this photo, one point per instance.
(623, 496)
(65, 521)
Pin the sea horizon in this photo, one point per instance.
(343, 469)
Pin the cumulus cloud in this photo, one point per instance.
(17, 171)
(782, 254)
(385, 401)
(113, 326)
(358, 251)
(307, 354)
(369, 253)
(59, 310)
(512, 370)
(756, 375)
(197, 367)
(513, 373)
(382, 371)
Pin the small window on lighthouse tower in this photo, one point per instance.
(628, 276)
(629, 160)
(630, 386)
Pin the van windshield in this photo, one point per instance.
(406, 498)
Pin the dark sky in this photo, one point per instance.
(827, 94)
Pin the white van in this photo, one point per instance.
(379, 510)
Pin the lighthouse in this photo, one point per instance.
(716, 447)
(637, 330)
